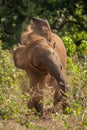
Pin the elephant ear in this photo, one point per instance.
(41, 22)
(19, 57)
(41, 27)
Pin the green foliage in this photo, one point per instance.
(65, 17)
(82, 49)
(79, 36)
(10, 91)
(14, 16)
(77, 73)
(70, 45)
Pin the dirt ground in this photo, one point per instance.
(50, 122)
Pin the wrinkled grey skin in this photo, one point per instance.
(45, 64)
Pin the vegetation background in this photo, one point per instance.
(69, 20)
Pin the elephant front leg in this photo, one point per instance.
(60, 100)
(57, 102)
(36, 100)
(38, 103)
(64, 102)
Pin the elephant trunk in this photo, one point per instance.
(51, 63)
(55, 69)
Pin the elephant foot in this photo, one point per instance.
(61, 103)
(58, 107)
(65, 105)
(36, 106)
(39, 108)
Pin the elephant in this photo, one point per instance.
(42, 55)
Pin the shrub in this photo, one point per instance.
(70, 45)
(82, 49)
(10, 86)
(77, 79)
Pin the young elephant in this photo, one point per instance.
(43, 56)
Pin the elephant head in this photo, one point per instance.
(41, 27)
(40, 58)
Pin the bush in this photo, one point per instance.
(70, 45)
(82, 49)
(10, 86)
(77, 79)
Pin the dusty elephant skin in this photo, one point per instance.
(43, 56)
